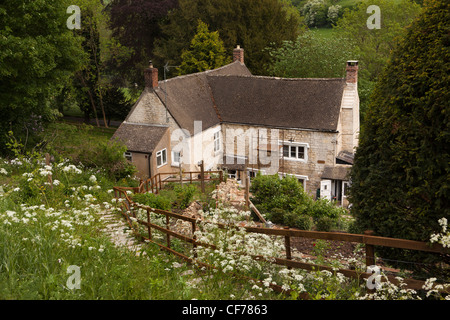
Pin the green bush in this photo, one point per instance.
(299, 221)
(87, 145)
(285, 202)
(185, 194)
(324, 208)
(277, 215)
(324, 223)
(153, 200)
(270, 191)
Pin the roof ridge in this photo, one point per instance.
(275, 78)
(199, 73)
(146, 124)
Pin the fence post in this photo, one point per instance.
(221, 175)
(202, 175)
(168, 228)
(148, 226)
(287, 244)
(247, 192)
(370, 251)
(194, 248)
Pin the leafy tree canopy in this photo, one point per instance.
(311, 56)
(38, 54)
(375, 45)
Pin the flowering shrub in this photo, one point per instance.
(321, 13)
(442, 237)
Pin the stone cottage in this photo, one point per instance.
(233, 120)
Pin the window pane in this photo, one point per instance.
(158, 159)
(216, 145)
(301, 152)
(293, 152)
(217, 141)
(285, 151)
(164, 156)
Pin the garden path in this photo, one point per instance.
(119, 232)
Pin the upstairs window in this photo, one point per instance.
(176, 158)
(161, 158)
(217, 141)
(296, 152)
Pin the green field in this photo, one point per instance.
(324, 32)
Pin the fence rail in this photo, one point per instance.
(157, 182)
(367, 239)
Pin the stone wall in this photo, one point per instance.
(266, 144)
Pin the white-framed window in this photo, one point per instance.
(176, 158)
(232, 174)
(161, 158)
(217, 142)
(128, 156)
(301, 178)
(294, 151)
(252, 172)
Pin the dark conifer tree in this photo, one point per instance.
(400, 179)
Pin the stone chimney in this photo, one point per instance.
(352, 71)
(151, 77)
(238, 54)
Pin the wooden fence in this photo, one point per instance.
(157, 182)
(287, 233)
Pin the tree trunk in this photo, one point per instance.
(83, 82)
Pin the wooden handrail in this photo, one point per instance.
(336, 236)
(156, 181)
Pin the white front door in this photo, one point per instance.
(344, 191)
(325, 189)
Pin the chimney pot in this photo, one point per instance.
(151, 76)
(352, 71)
(238, 54)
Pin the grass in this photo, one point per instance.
(73, 111)
(326, 33)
